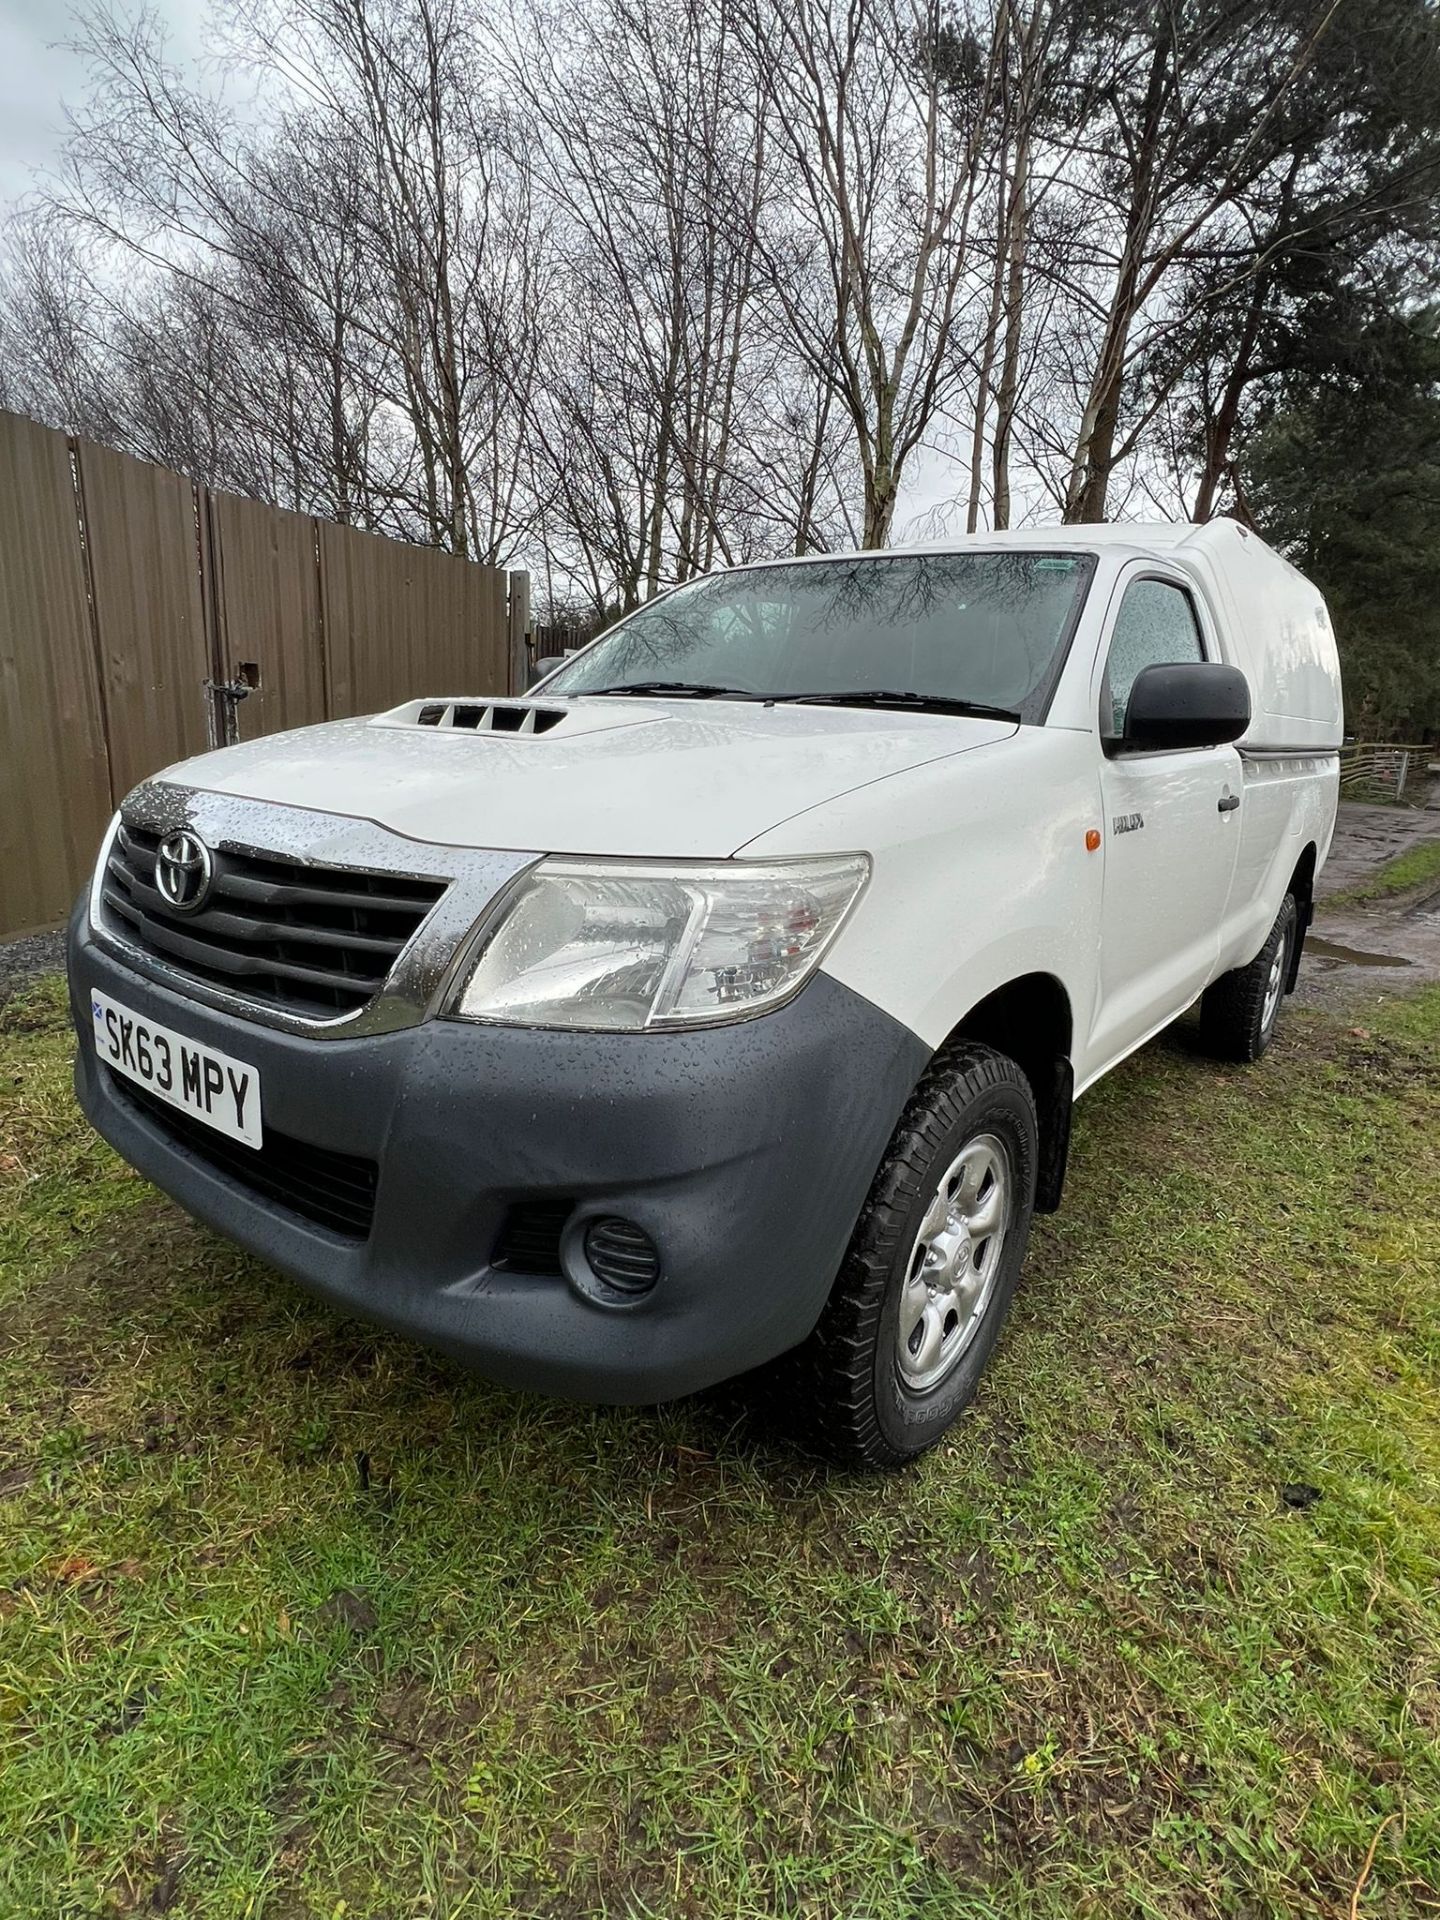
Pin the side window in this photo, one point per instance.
(1155, 627)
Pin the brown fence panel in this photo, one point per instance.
(268, 592)
(402, 622)
(145, 578)
(126, 598)
(54, 778)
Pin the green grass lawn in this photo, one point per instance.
(1409, 872)
(297, 1620)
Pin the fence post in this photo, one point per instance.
(221, 724)
(519, 631)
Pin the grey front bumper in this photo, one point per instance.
(745, 1152)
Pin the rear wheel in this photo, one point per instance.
(1239, 1011)
(930, 1271)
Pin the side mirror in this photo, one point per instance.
(1196, 703)
(546, 664)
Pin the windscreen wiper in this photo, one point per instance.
(695, 689)
(901, 698)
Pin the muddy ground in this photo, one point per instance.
(1357, 952)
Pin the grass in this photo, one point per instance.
(297, 1620)
(1410, 872)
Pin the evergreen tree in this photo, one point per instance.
(1345, 479)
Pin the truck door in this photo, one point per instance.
(1169, 830)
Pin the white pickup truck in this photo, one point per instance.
(722, 1003)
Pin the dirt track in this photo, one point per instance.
(1361, 952)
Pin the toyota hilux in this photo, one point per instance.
(721, 1004)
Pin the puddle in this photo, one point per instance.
(1329, 954)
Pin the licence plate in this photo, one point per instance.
(209, 1085)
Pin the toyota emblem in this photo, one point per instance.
(184, 871)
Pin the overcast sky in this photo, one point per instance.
(35, 74)
(38, 74)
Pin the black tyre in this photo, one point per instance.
(930, 1272)
(1239, 1010)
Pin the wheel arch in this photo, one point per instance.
(1031, 1021)
(1302, 885)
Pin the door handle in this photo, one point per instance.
(1228, 804)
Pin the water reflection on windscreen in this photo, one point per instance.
(983, 627)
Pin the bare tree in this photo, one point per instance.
(639, 287)
(880, 108)
(366, 225)
(1026, 49)
(658, 175)
(1179, 116)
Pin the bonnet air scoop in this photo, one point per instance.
(489, 716)
(515, 719)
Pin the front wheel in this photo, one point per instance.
(1239, 1010)
(930, 1271)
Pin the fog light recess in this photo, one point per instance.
(621, 1255)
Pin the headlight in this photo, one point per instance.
(612, 944)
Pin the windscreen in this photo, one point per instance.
(983, 628)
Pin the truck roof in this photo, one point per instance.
(1141, 536)
(1218, 539)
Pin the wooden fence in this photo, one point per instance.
(144, 618)
(1398, 774)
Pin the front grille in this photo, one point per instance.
(314, 941)
(335, 1190)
